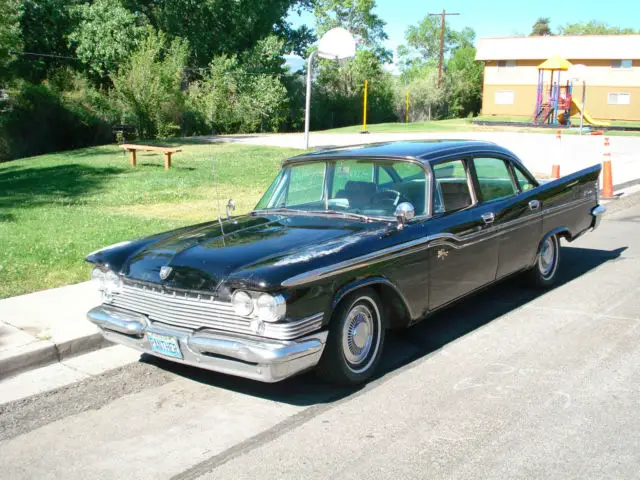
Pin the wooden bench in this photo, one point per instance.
(148, 148)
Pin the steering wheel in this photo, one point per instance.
(387, 198)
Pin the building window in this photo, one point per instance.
(619, 99)
(504, 97)
(621, 63)
(506, 63)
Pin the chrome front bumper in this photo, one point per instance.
(256, 358)
(597, 212)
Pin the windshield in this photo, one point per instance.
(364, 187)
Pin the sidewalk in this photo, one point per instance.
(46, 327)
(51, 326)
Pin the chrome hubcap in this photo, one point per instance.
(357, 338)
(547, 257)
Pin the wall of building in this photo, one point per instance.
(600, 77)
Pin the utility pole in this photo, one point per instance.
(441, 58)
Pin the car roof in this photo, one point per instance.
(426, 151)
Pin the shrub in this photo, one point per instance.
(43, 120)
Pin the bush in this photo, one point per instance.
(42, 120)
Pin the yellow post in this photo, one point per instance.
(364, 108)
(406, 110)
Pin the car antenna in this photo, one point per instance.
(215, 182)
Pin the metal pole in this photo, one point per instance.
(441, 58)
(584, 92)
(364, 107)
(307, 108)
(406, 110)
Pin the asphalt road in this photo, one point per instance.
(512, 383)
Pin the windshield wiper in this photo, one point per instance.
(357, 216)
(272, 211)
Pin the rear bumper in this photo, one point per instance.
(256, 358)
(597, 212)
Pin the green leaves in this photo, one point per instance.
(242, 93)
(148, 85)
(106, 35)
(10, 35)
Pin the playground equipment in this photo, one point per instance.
(554, 101)
(552, 98)
(576, 109)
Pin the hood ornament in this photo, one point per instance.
(165, 271)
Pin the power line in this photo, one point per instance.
(49, 55)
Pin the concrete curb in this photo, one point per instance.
(46, 352)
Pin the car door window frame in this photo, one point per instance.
(466, 162)
(512, 167)
(476, 182)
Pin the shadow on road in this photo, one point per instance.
(405, 346)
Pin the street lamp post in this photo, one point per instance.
(336, 44)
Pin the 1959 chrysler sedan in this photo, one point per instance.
(345, 244)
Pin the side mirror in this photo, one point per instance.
(231, 206)
(404, 213)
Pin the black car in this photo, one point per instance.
(345, 244)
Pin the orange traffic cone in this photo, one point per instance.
(555, 168)
(607, 178)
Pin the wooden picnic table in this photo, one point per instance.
(167, 151)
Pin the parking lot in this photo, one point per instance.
(512, 383)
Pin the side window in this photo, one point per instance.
(306, 184)
(452, 189)
(523, 181)
(493, 178)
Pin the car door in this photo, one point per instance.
(510, 196)
(462, 255)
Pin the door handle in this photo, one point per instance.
(488, 218)
(534, 205)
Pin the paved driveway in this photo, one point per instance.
(537, 150)
(513, 383)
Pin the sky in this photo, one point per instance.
(497, 18)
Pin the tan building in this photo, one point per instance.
(612, 73)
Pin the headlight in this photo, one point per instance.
(107, 282)
(97, 277)
(242, 303)
(270, 308)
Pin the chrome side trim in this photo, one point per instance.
(266, 360)
(455, 241)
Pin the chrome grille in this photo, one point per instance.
(196, 312)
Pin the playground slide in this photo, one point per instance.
(575, 110)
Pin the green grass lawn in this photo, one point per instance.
(55, 209)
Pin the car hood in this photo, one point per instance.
(246, 250)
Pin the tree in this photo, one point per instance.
(215, 27)
(541, 28)
(107, 33)
(45, 26)
(465, 78)
(242, 92)
(148, 85)
(594, 27)
(10, 38)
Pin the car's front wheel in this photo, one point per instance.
(356, 337)
(544, 272)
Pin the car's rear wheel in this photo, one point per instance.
(544, 272)
(356, 337)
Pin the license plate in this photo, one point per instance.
(164, 344)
